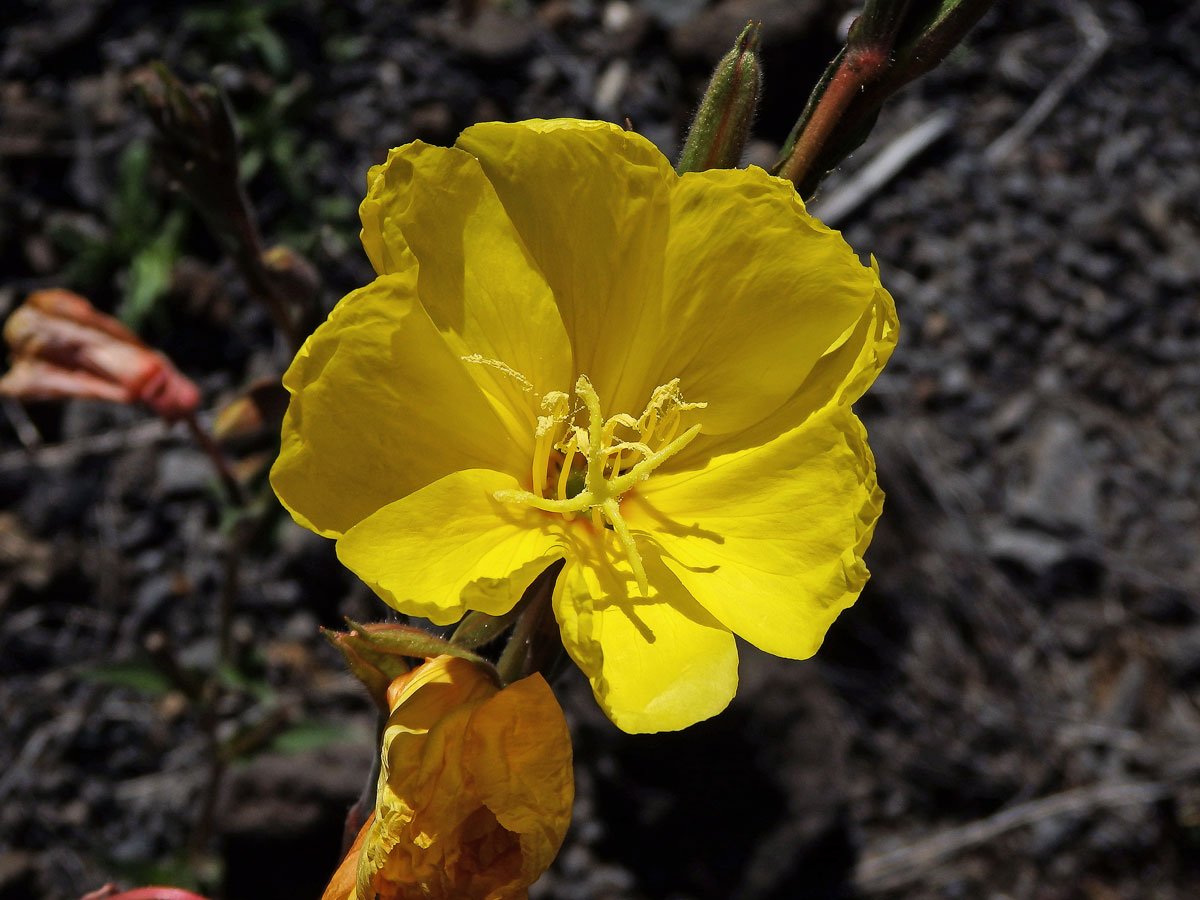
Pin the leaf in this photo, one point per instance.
(143, 677)
(150, 273)
(310, 734)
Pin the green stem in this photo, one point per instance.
(525, 651)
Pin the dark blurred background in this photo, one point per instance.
(1012, 710)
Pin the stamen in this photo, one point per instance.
(565, 473)
(541, 462)
(635, 558)
(616, 462)
(603, 482)
(480, 360)
(555, 403)
(672, 426)
(642, 470)
(595, 459)
(646, 424)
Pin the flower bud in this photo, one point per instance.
(722, 126)
(377, 654)
(296, 277)
(63, 347)
(253, 415)
(475, 789)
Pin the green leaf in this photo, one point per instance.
(143, 677)
(310, 734)
(150, 273)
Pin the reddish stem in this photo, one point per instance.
(857, 69)
(220, 463)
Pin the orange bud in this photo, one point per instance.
(296, 277)
(475, 789)
(64, 347)
(255, 412)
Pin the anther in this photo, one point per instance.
(601, 493)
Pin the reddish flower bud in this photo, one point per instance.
(64, 347)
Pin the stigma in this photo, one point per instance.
(585, 470)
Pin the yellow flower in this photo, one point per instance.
(572, 352)
(475, 790)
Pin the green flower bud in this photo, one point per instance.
(377, 653)
(722, 125)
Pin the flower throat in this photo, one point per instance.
(607, 467)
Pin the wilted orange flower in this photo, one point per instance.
(62, 347)
(475, 790)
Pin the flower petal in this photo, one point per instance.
(840, 377)
(342, 885)
(770, 540)
(380, 407)
(518, 753)
(591, 203)
(422, 796)
(451, 546)
(756, 291)
(658, 664)
(433, 207)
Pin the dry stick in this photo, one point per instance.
(27, 432)
(882, 168)
(143, 434)
(1095, 41)
(885, 871)
(202, 828)
(364, 806)
(220, 463)
(248, 257)
(231, 567)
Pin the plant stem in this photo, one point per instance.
(233, 490)
(357, 815)
(525, 651)
(856, 70)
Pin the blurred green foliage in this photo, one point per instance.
(137, 244)
(141, 676)
(313, 734)
(242, 29)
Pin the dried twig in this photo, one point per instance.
(883, 167)
(1095, 41)
(50, 456)
(27, 432)
(884, 871)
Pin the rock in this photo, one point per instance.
(492, 34)
(183, 471)
(1011, 415)
(1183, 658)
(709, 35)
(611, 86)
(1062, 493)
(283, 817)
(18, 875)
(673, 13)
(1037, 553)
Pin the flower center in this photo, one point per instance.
(590, 468)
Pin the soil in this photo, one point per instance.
(1012, 709)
